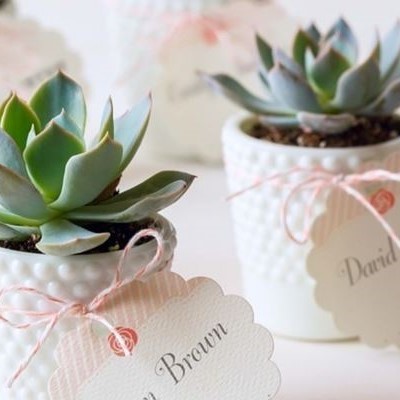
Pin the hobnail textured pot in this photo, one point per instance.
(273, 266)
(77, 278)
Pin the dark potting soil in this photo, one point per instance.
(367, 131)
(119, 238)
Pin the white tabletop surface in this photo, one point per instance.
(310, 371)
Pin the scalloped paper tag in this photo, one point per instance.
(189, 341)
(355, 263)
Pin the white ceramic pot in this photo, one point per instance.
(273, 266)
(140, 32)
(136, 29)
(77, 278)
(163, 50)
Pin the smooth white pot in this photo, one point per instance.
(77, 278)
(273, 266)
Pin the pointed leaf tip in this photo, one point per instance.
(130, 128)
(239, 95)
(17, 120)
(151, 196)
(58, 93)
(107, 121)
(265, 53)
(302, 42)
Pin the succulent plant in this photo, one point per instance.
(53, 183)
(322, 87)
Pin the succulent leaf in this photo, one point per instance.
(63, 238)
(328, 67)
(16, 233)
(46, 158)
(47, 174)
(20, 197)
(339, 25)
(152, 185)
(18, 119)
(280, 121)
(313, 32)
(8, 233)
(57, 94)
(10, 155)
(4, 103)
(281, 58)
(390, 49)
(358, 86)
(30, 137)
(8, 218)
(242, 97)
(25, 231)
(386, 103)
(394, 73)
(265, 53)
(87, 175)
(291, 90)
(149, 197)
(65, 122)
(144, 207)
(302, 42)
(264, 80)
(322, 78)
(327, 124)
(344, 42)
(376, 51)
(130, 128)
(107, 122)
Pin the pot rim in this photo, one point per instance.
(165, 226)
(234, 127)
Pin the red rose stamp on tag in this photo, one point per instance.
(130, 337)
(383, 200)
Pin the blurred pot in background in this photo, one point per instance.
(160, 45)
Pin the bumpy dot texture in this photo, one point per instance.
(77, 278)
(262, 243)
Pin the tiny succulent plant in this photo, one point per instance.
(53, 183)
(323, 87)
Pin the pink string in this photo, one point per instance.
(317, 181)
(73, 309)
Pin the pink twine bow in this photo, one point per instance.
(317, 181)
(73, 309)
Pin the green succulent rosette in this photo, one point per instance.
(322, 86)
(52, 182)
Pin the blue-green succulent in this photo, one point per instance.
(323, 86)
(53, 182)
